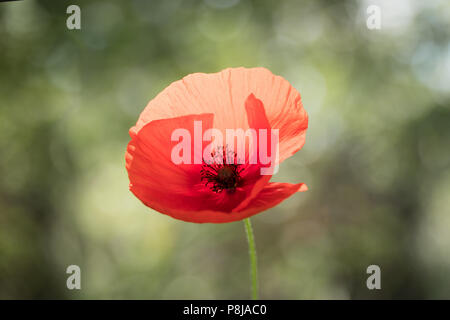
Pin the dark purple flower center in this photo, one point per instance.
(220, 175)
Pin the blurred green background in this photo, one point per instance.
(376, 158)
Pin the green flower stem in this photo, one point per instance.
(253, 262)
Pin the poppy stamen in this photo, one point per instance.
(221, 175)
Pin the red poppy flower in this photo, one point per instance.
(217, 192)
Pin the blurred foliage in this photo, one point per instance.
(376, 158)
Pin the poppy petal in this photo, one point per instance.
(224, 94)
(271, 195)
(149, 159)
(257, 119)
